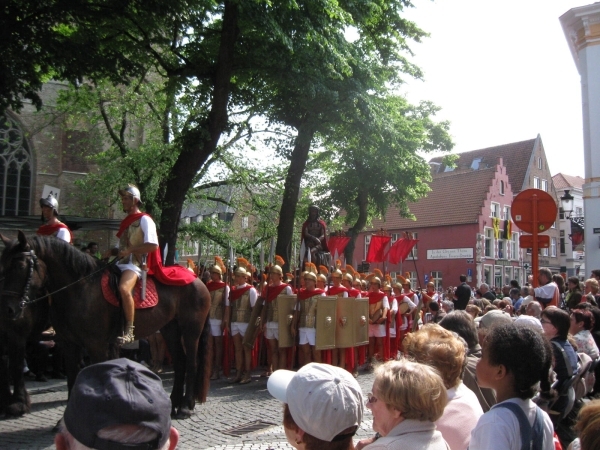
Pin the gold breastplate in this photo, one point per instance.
(308, 312)
(133, 236)
(376, 310)
(272, 311)
(241, 309)
(217, 304)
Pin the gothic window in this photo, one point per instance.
(15, 169)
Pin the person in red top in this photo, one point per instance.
(378, 308)
(270, 320)
(304, 322)
(218, 316)
(338, 355)
(53, 226)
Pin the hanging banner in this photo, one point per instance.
(337, 243)
(377, 248)
(400, 250)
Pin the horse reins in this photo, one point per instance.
(32, 263)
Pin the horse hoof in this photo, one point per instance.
(17, 409)
(183, 413)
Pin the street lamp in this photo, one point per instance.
(566, 202)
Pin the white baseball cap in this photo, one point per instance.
(528, 321)
(323, 400)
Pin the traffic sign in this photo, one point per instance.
(522, 210)
(526, 241)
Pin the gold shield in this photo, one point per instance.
(344, 330)
(285, 313)
(361, 321)
(403, 308)
(326, 320)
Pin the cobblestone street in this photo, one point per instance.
(228, 407)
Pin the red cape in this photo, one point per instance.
(215, 285)
(303, 294)
(51, 230)
(236, 293)
(270, 293)
(353, 293)
(375, 297)
(171, 275)
(336, 290)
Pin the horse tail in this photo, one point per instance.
(202, 381)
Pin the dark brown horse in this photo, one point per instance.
(83, 319)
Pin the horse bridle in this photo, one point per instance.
(32, 259)
(32, 264)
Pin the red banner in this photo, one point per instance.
(400, 250)
(377, 248)
(337, 243)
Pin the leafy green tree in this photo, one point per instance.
(376, 162)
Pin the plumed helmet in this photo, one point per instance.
(50, 202)
(310, 276)
(337, 274)
(243, 267)
(322, 277)
(348, 277)
(375, 280)
(276, 269)
(133, 191)
(216, 269)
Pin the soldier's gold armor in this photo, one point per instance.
(217, 304)
(273, 311)
(308, 312)
(376, 310)
(133, 236)
(241, 309)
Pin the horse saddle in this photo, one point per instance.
(110, 283)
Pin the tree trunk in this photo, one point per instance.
(287, 213)
(362, 201)
(198, 144)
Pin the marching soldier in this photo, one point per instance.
(305, 317)
(219, 314)
(270, 319)
(412, 296)
(378, 309)
(391, 349)
(338, 355)
(348, 281)
(242, 299)
(322, 278)
(52, 226)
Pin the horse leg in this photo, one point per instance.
(173, 340)
(203, 363)
(20, 403)
(191, 337)
(5, 392)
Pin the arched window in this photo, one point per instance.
(15, 169)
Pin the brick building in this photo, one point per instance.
(463, 224)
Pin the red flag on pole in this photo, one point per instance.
(377, 248)
(400, 250)
(337, 243)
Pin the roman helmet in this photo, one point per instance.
(243, 267)
(51, 203)
(311, 272)
(276, 268)
(133, 191)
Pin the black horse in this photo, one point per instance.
(83, 319)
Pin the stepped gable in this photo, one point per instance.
(516, 157)
(456, 198)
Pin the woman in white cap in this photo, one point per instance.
(323, 406)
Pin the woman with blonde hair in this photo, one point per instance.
(407, 399)
(588, 427)
(446, 352)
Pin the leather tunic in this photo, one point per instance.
(217, 304)
(308, 312)
(133, 236)
(241, 309)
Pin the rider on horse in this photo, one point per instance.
(137, 237)
(52, 226)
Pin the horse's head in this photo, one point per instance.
(22, 276)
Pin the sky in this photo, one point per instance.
(502, 72)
